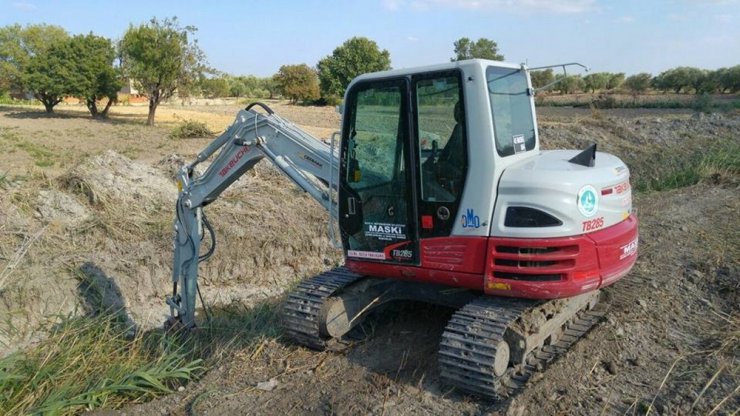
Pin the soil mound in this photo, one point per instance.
(113, 178)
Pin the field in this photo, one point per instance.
(85, 257)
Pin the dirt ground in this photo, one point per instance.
(86, 212)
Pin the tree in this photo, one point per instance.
(52, 74)
(18, 45)
(542, 77)
(638, 83)
(481, 49)
(162, 58)
(681, 78)
(237, 87)
(354, 57)
(92, 58)
(298, 82)
(267, 87)
(596, 81)
(568, 84)
(696, 78)
(729, 80)
(615, 81)
(214, 87)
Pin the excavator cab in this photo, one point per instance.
(407, 138)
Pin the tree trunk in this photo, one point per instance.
(92, 106)
(153, 103)
(104, 114)
(152, 110)
(49, 101)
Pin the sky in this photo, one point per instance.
(257, 37)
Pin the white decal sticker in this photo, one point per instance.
(366, 254)
(588, 201)
(383, 231)
(628, 250)
(519, 145)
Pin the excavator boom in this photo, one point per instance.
(309, 162)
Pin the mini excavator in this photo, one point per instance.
(438, 192)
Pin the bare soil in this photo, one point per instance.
(86, 213)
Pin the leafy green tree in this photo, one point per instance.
(354, 57)
(52, 74)
(237, 87)
(18, 45)
(729, 80)
(712, 81)
(697, 78)
(681, 78)
(162, 58)
(481, 49)
(615, 80)
(638, 83)
(267, 88)
(596, 81)
(298, 82)
(214, 87)
(542, 77)
(92, 58)
(569, 84)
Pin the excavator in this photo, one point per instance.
(436, 191)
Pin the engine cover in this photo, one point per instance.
(576, 199)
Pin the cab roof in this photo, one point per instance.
(468, 65)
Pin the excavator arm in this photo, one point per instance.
(309, 162)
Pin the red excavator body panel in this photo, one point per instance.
(531, 268)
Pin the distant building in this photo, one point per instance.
(128, 88)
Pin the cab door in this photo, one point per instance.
(376, 201)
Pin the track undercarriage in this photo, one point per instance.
(490, 347)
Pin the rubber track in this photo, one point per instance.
(469, 344)
(302, 310)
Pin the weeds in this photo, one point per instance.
(4, 181)
(87, 363)
(702, 103)
(716, 164)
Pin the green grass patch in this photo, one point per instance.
(715, 163)
(88, 363)
(6, 99)
(42, 156)
(96, 362)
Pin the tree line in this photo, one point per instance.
(677, 80)
(163, 58)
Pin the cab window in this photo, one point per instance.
(511, 107)
(441, 137)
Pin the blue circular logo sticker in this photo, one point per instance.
(588, 201)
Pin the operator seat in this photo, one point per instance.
(451, 161)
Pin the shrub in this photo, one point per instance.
(702, 103)
(190, 129)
